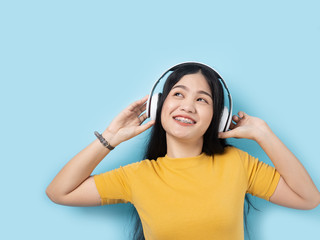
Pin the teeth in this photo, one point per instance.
(184, 120)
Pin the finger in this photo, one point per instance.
(242, 114)
(228, 134)
(140, 110)
(232, 125)
(235, 118)
(144, 127)
(134, 105)
(145, 98)
(143, 108)
(142, 118)
(137, 104)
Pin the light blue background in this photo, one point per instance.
(69, 67)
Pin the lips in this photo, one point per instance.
(184, 119)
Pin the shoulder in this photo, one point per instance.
(231, 151)
(138, 166)
(233, 156)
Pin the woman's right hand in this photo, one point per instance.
(128, 123)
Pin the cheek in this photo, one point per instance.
(207, 116)
(167, 108)
(163, 114)
(163, 110)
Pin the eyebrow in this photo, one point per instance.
(187, 89)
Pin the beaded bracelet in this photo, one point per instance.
(103, 141)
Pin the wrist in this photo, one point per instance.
(110, 137)
(263, 134)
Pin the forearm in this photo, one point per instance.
(289, 167)
(126, 125)
(77, 169)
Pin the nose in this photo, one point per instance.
(187, 105)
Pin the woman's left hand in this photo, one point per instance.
(245, 126)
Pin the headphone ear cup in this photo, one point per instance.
(154, 105)
(224, 119)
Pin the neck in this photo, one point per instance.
(177, 148)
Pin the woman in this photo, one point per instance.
(191, 185)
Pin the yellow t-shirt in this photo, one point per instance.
(198, 197)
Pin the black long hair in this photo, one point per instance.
(157, 144)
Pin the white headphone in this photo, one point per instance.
(152, 102)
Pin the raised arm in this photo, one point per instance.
(73, 185)
(295, 188)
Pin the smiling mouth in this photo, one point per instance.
(184, 120)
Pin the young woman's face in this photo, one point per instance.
(188, 109)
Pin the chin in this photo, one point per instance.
(182, 136)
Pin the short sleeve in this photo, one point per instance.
(262, 178)
(113, 186)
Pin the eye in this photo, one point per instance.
(177, 94)
(202, 100)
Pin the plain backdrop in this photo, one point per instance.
(67, 68)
